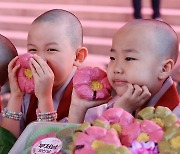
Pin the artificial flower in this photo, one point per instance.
(94, 138)
(144, 148)
(162, 116)
(25, 77)
(141, 131)
(91, 83)
(116, 118)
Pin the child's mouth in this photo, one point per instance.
(118, 82)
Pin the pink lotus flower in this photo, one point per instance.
(144, 148)
(117, 115)
(91, 83)
(144, 131)
(25, 78)
(95, 137)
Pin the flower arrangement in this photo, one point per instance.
(116, 131)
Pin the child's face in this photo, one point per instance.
(50, 42)
(133, 60)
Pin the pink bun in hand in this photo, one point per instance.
(91, 84)
(25, 78)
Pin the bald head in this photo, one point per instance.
(156, 33)
(7, 53)
(68, 21)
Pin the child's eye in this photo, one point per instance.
(32, 50)
(112, 58)
(129, 59)
(51, 49)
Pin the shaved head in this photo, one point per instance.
(68, 21)
(162, 36)
(7, 53)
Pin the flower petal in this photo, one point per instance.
(113, 115)
(97, 74)
(102, 94)
(126, 119)
(136, 145)
(96, 132)
(22, 82)
(81, 78)
(24, 60)
(156, 136)
(106, 83)
(84, 91)
(111, 137)
(149, 145)
(21, 72)
(130, 133)
(148, 126)
(84, 139)
(29, 86)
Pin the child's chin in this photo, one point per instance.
(120, 91)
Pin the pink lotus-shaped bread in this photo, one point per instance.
(25, 78)
(93, 138)
(115, 118)
(141, 131)
(91, 84)
(117, 115)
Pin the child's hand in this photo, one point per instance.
(13, 81)
(43, 81)
(133, 98)
(80, 106)
(85, 104)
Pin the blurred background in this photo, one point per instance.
(100, 20)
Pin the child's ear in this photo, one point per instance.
(81, 55)
(166, 69)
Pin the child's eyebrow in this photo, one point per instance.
(30, 44)
(51, 43)
(130, 50)
(112, 50)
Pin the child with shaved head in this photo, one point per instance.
(7, 53)
(55, 39)
(142, 56)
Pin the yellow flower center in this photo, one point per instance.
(96, 85)
(117, 127)
(28, 73)
(143, 137)
(159, 122)
(175, 142)
(96, 144)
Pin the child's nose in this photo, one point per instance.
(42, 55)
(118, 70)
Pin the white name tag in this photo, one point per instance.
(50, 145)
